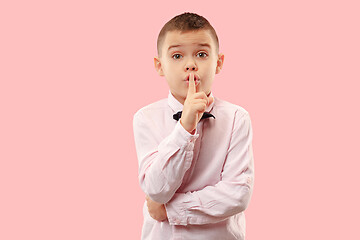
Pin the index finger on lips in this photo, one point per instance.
(192, 88)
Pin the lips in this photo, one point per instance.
(196, 78)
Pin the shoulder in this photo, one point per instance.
(152, 108)
(230, 109)
(236, 116)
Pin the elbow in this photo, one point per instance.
(243, 201)
(159, 192)
(161, 196)
(242, 206)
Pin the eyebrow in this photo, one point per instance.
(200, 44)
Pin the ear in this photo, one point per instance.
(220, 63)
(158, 67)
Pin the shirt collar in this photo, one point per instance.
(176, 106)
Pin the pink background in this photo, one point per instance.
(73, 73)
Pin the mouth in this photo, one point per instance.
(196, 78)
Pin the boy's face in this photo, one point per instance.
(183, 53)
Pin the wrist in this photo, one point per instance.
(191, 131)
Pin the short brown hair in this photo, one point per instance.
(183, 23)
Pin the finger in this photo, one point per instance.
(196, 101)
(200, 95)
(210, 100)
(200, 107)
(192, 88)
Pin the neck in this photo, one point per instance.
(181, 100)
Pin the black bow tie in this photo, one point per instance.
(177, 115)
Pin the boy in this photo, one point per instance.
(194, 151)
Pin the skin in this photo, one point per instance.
(156, 210)
(187, 61)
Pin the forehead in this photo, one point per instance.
(189, 38)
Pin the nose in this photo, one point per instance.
(191, 65)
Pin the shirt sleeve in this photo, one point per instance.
(162, 164)
(231, 195)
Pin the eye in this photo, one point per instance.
(176, 56)
(202, 54)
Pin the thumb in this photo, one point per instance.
(210, 100)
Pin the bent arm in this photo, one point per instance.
(231, 195)
(162, 164)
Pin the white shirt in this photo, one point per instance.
(205, 180)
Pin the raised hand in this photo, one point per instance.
(194, 106)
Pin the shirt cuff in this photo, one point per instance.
(183, 138)
(176, 209)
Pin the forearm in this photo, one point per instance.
(209, 205)
(162, 172)
(162, 166)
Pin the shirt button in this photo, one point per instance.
(177, 221)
